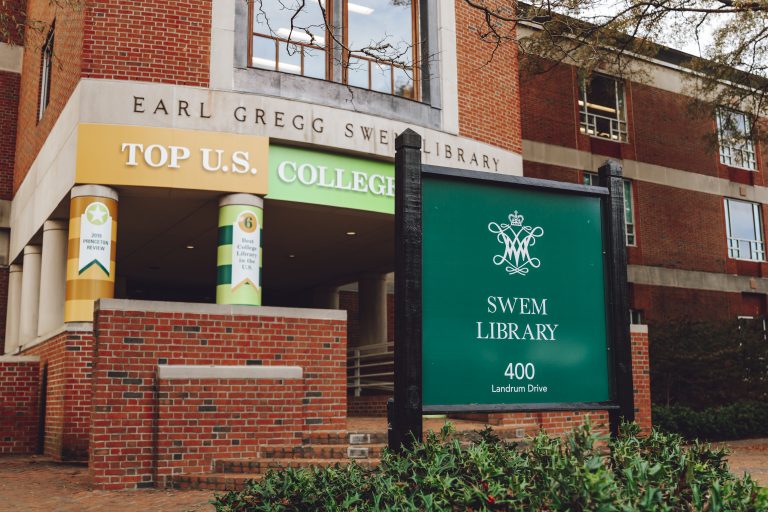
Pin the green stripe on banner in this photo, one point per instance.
(225, 235)
(224, 274)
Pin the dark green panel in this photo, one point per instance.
(558, 325)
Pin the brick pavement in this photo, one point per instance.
(38, 484)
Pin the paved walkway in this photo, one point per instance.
(36, 484)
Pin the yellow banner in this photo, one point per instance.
(166, 157)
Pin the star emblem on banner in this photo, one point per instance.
(97, 213)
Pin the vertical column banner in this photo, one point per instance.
(238, 262)
(90, 250)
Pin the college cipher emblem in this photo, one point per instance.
(517, 241)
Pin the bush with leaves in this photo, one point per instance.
(737, 421)
(583, 471)
(708, 364)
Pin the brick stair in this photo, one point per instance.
(316, 449)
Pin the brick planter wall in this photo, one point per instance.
(133, 411)
(66, 356)
(18, 404)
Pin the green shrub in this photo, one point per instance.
(582, 472)
(708, 364)
(740, 420)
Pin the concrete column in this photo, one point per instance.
(325, 297)
(92, 242)
(53, 277)
(14, 307)
(30, 294)
(372, 309)
(239, 252)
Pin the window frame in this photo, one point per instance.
(630, 239)
(727, 150)
(332, 65)
(757, 226)
(622, 125)
(46, 72)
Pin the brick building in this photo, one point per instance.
(202, 126)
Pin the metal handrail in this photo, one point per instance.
(361, 359)
(617, 128)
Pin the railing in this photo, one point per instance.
(745, 249)
(603, 126)
(371, 367)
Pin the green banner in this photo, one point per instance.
(514, 307)
(315, 177)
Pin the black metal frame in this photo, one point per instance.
(405, 413)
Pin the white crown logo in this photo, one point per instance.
(517, 241)
(515, 219)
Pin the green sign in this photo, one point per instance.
(314, 177)
(514, 308)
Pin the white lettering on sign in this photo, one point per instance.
(339, 179)
(172, 157)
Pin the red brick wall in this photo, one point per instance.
(367, 405)
(18, 405)
(12, 21)
(202, 420)
(666, 303)
(488, 82)
(668, 134)
(67, 357)
(131, 344)
(680, 228)
(9, 107)
(65, 75)
(549, 108)
(149, 40)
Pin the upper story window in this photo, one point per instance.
(744, 228)
(735, 137)
(45, 74)
(601, 108)
(373, 44)
(591, 178)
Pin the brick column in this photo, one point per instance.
(641, 377)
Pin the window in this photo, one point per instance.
(735, 137)
(601, 108)
(635, 316)
(591, 178)
(744, 230)
(373, 47)
(45, 74)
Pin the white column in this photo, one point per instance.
(53, 276)
(325, 297)
(30, 294)
(13, 309)
(372, 309)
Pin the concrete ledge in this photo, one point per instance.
(218, 309)
(86, 327)
(180, 372)
(19, 359)
(638, 328)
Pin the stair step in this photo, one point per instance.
(322, 451)
(262, 465)
(213, 481)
